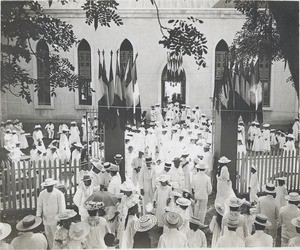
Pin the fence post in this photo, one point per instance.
(13, 184)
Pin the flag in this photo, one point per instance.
(136, 94)
(119, 100)
(112, 113)
(102, 103)
(128, 87)
(105, 81)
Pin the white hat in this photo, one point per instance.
(266, 125)
(49, 182)
(113, 168)
(28, 223)
(281, 178)
(5, 230)
(201, 165)
(93, 205)
(232, 220)
(224, 159)
(296, 222)
(270, 188)
(172, 220)
(183, 202)
(145, 223)
(290, 136)
(235, 202)
(261, 219)
(79, 231)
(128, 186)
(163, 178)
(78, 145)
(118, 157)
(293, 196)
(185, 154)
(220, 208)
(37, 126)
(66, 214)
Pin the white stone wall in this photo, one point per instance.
(142, 30)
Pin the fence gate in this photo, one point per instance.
(95, 136)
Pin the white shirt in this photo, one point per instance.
(196, 239)
(201, 185)
(172, 239)
(286, 214)
(30, 240)
(259, 239)
(114, 185)
(230, 240)
(49, 205)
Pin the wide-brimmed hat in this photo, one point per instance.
(8, 121)
(168, 164)
(281, 178)
(290, 136)
(28, 223)
(97, 164)
(133, 201)
(233, 220)
(296, 222)
(106, 165)
(261, 219)
(266, 125)
(49, 182)
(7, 130)
(145, 223)
(5, 230)
(113, 168)
(37, 126)
(78, 145)
(79, 231)
(148, 159)
(65, 215)
(220, 208)
(185, 154)
(235, 202)
(164, 178)
(270, 188)
(197, 222)
(118, 157)
(183, 202)
(224, 160)
(93, 205)
(201, 165)
(86, 177)
(293, 196)
(128, 186)
(172, 220)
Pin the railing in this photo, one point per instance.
(21, 182)
(269, 166)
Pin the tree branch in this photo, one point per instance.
(161, 27)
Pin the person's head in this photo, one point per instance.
(261, 222)
(281, 182)
(109, 239)
(50, 188)
(149, 162)
(66, 223)
(96, 170)
(270, 189)
(130, 149)
(176, 162)
(293, 198)
(92, 213)
(193, 226)
(113, 173)
(141, 153)
(245, 208)
(87, 180)
(101, 212)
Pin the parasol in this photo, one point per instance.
(106, 197)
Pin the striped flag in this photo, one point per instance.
(136, 93)
(128, 92)
(102, 103)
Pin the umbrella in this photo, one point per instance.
(106, 197)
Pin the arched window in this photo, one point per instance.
(173, 87)
(265, 79)
(220, 59)
(126, 53)
(43, 71)
(84, 73)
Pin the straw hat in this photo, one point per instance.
(290, 136)
(37, 126)
(5, 230)
(172, 220)
(201, 165)
(232, 220)
(168, 164)
(78, 145)
(296, 222)
(183, 202)
(49, 182)
(145, 223)
(65, 215)
(236, 202)
(293, 196)
(128, 186)
(185, 154)
(164, 178)
(261, 219)
(266, 125)
(148, 159)
(93, 205)
(118, 157)
(113, 168)
(28, 223)
(196, 221)
(79, 231)
(96, 163)
(224, 160)
(220, 208)
(270, 188)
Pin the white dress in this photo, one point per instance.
(161, 196)
(224, 187)
(98, 229)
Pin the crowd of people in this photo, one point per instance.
(163, 198)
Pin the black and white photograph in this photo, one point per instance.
(149, 124)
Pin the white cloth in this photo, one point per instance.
(49, 205)
(98, 229)
(74, 135)
(196, 239)
(294, 242)
(230, 240)
(30, 240)
(82, 193)
(177, 178)
(128, 234)
(281, 192)
(254, 187)
(172, 239)
(259, 239)
(286, 214)
(64, 148)
(148, 183)
(114, 185)
(296, 130)
(161, 195)
(216, 231)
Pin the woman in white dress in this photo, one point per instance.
(224, 185)
(74, 134)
